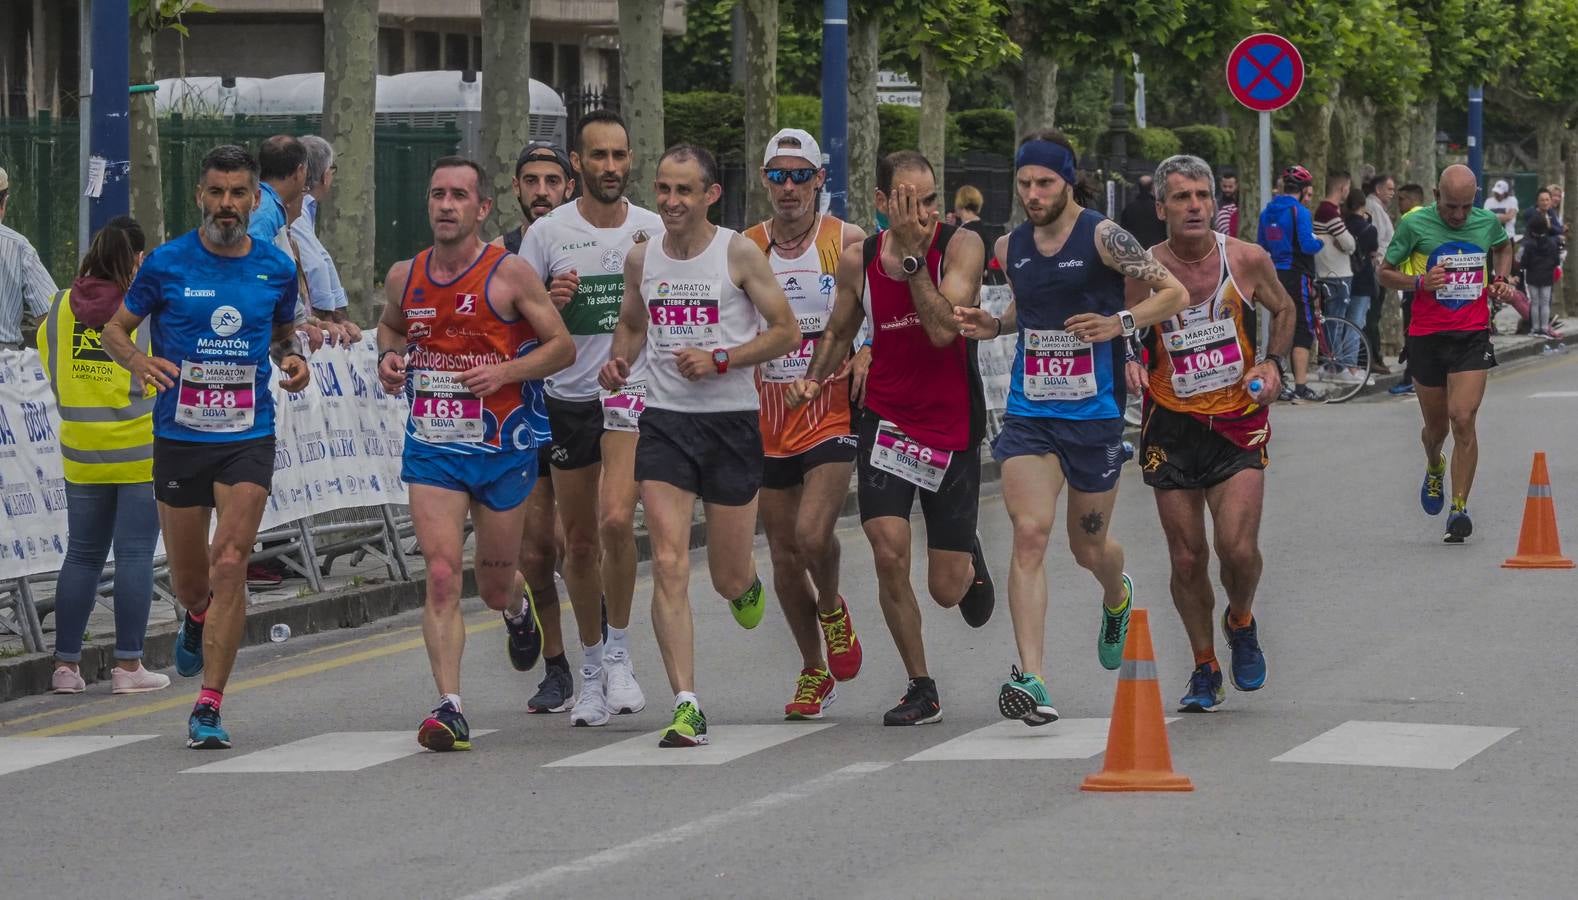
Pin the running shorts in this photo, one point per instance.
(1180, 453)
(499, 481)
(716, 456)
(1090, 451)
(1432, 357)
(185, 472)
(782, 473)
(949, 512)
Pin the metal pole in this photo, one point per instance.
(1265, 159)
(84, 117)
(110, 129)
(835, 103)
(1476, 135)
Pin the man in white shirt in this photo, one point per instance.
(323, 278)
(25, 285)
(1504, 204)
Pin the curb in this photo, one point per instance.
(1527, 348)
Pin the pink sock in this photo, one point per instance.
(199, 618)
(210, 696)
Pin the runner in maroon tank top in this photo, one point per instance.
(924, 416)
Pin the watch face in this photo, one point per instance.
(720, 356)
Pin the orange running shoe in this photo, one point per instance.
(814, 689)
(843, 648)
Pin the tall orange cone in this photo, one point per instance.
(1539, 546)
(1137, 756)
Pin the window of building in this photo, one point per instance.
(457, 52)
(569, 67)
(427, 56)
(391, 51)
(542, 62)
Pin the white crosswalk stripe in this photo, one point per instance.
(1063, 739)
(337, 751)
(729, 742)
(20, 753)
(1410, 745)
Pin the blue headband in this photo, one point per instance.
(1056, 157)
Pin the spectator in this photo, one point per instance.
(1504, 204)
(1226, 220)
(283, 182)
(1379, 192)
(323, 277)
(1287, 233)
(967, 204)
(1540, 254)
(106, 447)
(1543, 208)
(25, 285)
(1139, 218)
(1410, 197)
(1334, 263)
(1558, 221)
(1365, 287)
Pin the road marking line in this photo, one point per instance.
(19, 753)
(1063, 739)
(1409, 745)
(1551, 395)
(623, 853)
(336, 751)
(730, 742)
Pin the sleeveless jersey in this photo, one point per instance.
(451, 327)
(933, 394)
(1200, 359)
(1056, 375)
(807, 281)
(694, 303)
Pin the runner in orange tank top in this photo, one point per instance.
(810, 449)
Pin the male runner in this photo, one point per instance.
(467, 333)
(543, 182)
(1205, 433)
(223, 305)
(1466, 255)
(924, 415)
(1064, 419)
(694, 301)
(810, 449)
(582, 246)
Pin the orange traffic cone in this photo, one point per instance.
(1137, 756)
(1539, 546)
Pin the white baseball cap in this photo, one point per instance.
(5, 180)
(1500, 187)
(808, 149)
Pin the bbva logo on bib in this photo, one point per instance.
(225, 321)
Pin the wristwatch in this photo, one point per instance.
(1126, 319)
(1277, 360)
(911, 264)
(720, 360)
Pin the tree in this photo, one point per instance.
(1545, 84)
(506, 29)
(865, 26)
(346, 223)
(761, 97)
(641, 90)
(149, 17)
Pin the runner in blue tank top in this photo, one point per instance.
(1064, 419)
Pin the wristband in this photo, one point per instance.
(384, 354)
(1419, 283)
(999, 321)
(1275, 360)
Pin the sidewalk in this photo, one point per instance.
(1509, 347)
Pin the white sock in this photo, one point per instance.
(686, 696)
(592, 656)
(617, 640)
(454, 700)
(517, 608)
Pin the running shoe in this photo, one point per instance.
(553, 692)
(843, 648)
(524, 639)
(444, 729)
(67, 680)
(1432, 493)
(260, 575)
(1024, 697)
(920, 705)
(749, 608)
(1303, 394)
(1458, 527)
(814, 690)
(137, 681)
(591, 708)
(1287, 394)
(203, 731)
(621, 694)
(1249, 663)
(189, 648)
(1205, 690)
(1400, 388)
(689, 728)
(1114, 629)
(980, 597)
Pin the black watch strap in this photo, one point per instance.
(1273, 358)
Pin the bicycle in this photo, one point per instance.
(1341, 362)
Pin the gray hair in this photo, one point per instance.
(1185, 165)
(320, 158)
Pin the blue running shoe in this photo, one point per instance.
(1402, 387)
(189, 648)
(203, 731)
(1205, 690)
(1432, 493)
(1459, 526)
(1249, 664)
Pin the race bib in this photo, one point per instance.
(796, 364)
(443, 411)
(216, 396)
(1206, 357)
(622, 408)
(897, 453)
(684, 314)
(1465, 276)
(1058, 366)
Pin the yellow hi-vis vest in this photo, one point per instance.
(106, 422)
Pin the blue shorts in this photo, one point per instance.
(1090, 450)
(499, 481)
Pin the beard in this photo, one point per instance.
(1051, 213)
(225, 234)
(604, 194)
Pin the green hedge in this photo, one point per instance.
(711, 119)
(986, 131)
(800, 111)
(1210, 143)
(1155, 144)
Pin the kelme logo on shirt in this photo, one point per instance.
(225, 321)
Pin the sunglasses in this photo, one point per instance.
(798, 176)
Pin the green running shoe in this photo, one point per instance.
(749, 608)
(1115, 629)
(1024, 697)
(689, 728)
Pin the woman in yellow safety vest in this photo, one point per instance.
(106, 447)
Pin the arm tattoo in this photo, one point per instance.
(1129, 258)
(1092, 521)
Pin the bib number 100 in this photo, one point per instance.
(1204, 359)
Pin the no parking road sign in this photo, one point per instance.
(1265, 72)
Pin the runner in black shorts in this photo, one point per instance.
(783, 473)
(1180, 453)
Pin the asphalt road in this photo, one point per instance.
(1414, 739)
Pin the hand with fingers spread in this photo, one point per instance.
(161, 373)
(976, 323)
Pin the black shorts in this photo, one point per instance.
(185, 472)
(1300, 288)
(716, 456)
(1432, 357)
(949, 513)
(1179, 453)
(577, 427)
(781, 473)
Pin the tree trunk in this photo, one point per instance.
(1035, 92)
(147, 187)
(1312, 126)
(641, 90)
(506, 67)
(347, 224)
(1550, 130)
(761, 98)
(1246, 152)
(1348, 128)
(934, 116)
(1422, 145)
(863, 127)
(1391, 144)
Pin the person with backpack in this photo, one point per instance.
(1287, 232)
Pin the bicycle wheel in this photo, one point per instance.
(1340, 361)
